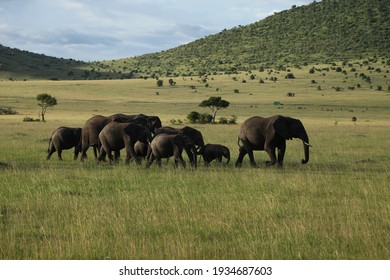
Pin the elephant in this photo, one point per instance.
(212, 152)
(94, 125)
(167, 145)
(64, 138)
(116, 136)
(257, 133)
(193, 133)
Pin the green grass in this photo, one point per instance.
(336, 207)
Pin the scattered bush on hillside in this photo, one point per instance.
(290, 76)
(7, 111)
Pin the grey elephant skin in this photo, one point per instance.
(188, 131)
(167, 145)
(116, 136)
(64, 138)
(269, 134)
(94, 125)
(212, 152)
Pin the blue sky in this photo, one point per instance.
(101, 30)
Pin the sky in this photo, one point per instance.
(95, 30)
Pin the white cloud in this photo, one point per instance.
(100, 29)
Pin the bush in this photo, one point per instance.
(29, 119)
(290, 76)
(196, 117)
(205, 118)
(7, 111)
(193, 117)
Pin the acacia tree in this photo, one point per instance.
(215, 103)
(45, 101)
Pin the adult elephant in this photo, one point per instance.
(188, 131)
(94, 125)
(167, 145)
(257, 133)
(116, 136)
(64, 138)
(212, 152)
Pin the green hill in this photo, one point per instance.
(16, 64)
(327, 31)
(331, 30)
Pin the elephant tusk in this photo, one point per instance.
(307, 144)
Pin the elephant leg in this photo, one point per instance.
(76, 153)
(130, 153)
(252, 158)
(117, 155)
(272, 155)
(179, 159)
(59, 153)
(83, 155)
(281, 152)
(190, 156)
(51, 151)
(150, 160)
(102, 155)
(105, 150)
(95, 151)
(241, 155)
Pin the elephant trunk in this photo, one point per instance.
(306, 145)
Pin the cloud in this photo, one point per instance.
(100, 29)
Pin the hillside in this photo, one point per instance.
(16, 64)
(331, 30)
(323, 32)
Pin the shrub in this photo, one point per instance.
(29, 119)
(7, 111)
(193, 117)
(290, 76)
(205, 118)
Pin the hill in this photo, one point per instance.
(322, 32)
(331, 30)
(17, 64)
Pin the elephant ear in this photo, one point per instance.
(132, 130)
(77, 133)
(281, 127)
(178, 140)
(186, 131)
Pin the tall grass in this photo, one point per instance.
(336, 207)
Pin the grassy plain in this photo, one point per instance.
(336, 207)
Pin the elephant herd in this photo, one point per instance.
(144, 137)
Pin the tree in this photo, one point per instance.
(45, 101)
(215, 103)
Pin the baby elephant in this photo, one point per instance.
(167, 145)
(64, 138)
(214, 151)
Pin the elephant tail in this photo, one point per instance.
(238, 141)
(48, 148)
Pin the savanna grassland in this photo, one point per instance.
(335, 207)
